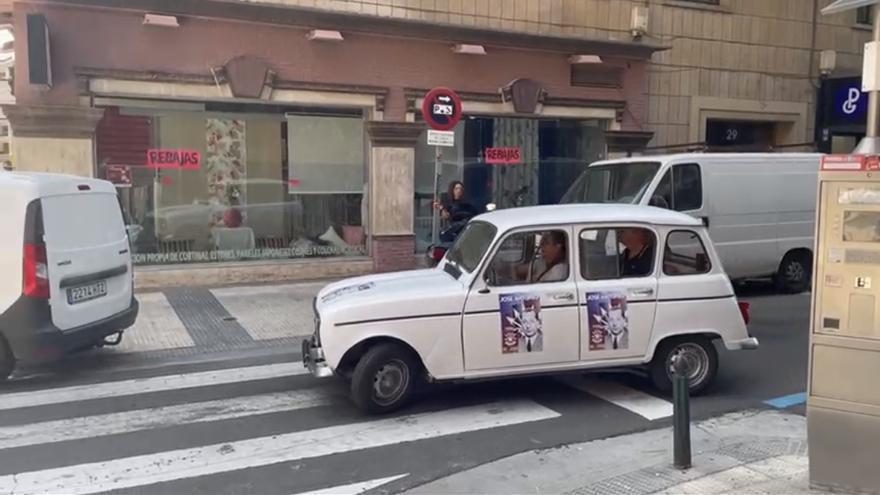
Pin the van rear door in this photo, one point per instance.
(88, 255)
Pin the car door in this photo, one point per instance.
(617, 290)
(522, 312)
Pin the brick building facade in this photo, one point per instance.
(302, 116)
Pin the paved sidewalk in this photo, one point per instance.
(196, 322)
(741, 453)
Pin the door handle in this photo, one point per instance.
(566, 296)
(642, 292)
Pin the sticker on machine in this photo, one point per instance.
(521, 326)
(608, 321)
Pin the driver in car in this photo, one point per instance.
(552, 266)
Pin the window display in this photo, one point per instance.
(254, 186)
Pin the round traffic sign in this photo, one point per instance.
(441, 109)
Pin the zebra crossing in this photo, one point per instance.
(268, 428)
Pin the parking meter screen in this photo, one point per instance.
(861, 226)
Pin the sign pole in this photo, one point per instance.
(435, 220)
(441, 110)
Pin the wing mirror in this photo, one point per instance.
(491, 207)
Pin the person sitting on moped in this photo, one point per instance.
(455, 210)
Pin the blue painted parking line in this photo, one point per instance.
(787, 401)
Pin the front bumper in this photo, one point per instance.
(749, 344)
(313, 359)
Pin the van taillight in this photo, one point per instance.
(35, 277)
(744, 309)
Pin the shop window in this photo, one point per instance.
(543, 157)
(249, 188)
(685, 254)
(608, 254)
(681, 189)
(864, 16)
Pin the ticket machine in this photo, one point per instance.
(843, 404)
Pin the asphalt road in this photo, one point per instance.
(255, 424)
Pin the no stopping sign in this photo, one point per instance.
(441, 109)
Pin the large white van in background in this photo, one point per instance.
(759, 207)
(65, 267)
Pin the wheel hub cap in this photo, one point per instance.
(390, 382)
(695, 361)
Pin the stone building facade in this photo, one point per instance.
(278, 139)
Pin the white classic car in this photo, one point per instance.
(524, 291)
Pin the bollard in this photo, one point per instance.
(681, 415)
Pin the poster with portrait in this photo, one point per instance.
(608, 322)
(521, 326)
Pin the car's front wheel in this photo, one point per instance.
(384, 378)
(700, 358)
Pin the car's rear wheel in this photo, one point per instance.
(700, 358)
(384, 378)
(795, 273)
(7, 360)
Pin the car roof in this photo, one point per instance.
(586, 213)
(720, 157)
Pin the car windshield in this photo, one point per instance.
(618, 183)
(471, 245)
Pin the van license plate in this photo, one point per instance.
(86, 292)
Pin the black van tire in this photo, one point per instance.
(697, 347)
(7, 360)
(795, 273)
(393, 363)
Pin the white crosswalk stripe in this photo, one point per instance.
(147, 385)
(356, 488)
(140, 442)
(212, 459)
(158, 417)
(641, 403)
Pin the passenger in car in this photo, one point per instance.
(638, 257)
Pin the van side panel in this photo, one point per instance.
(753, 205)
(797, 207)
(86, 243)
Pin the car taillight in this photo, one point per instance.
(35, 276)
(744, 310)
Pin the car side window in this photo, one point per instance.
(687, 187)
(613, 253)
(530, 258)
(685, 254)
(680, 189)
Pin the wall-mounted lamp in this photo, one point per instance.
(584, 59)
(463, 49)
(325, 35)
(827, 62)
(161, 20)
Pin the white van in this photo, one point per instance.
(759, 207)
(65, 267)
